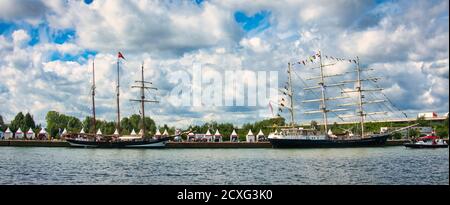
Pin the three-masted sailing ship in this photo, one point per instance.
(140, 140)
(298, 137)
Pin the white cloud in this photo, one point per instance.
(406, 45)
(255, 44)
(20, 38)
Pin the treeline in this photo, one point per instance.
(57, 122)
(24, 122)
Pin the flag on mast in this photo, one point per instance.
(119, 55)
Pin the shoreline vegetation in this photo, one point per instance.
(57, 122)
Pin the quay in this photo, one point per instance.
(62, 143)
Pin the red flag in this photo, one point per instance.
(119, 55)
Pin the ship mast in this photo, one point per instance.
(141, 85)
(322, 86)
(323, 106)
(359, 89)
(360, 97)
(93, 96)
(117, 93)
(290, 93)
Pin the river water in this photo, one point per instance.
(386, 165)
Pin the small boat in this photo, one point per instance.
(429, 141)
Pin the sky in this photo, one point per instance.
(47, 48)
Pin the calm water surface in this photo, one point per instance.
(388, 165)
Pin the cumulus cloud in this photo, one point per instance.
(407, 46)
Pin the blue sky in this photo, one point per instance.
(53, 44)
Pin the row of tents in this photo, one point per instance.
(191, 137)
(19, 134)
(217, 137)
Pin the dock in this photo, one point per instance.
(62, 143)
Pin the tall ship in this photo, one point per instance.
(141, 140)
(293, 136)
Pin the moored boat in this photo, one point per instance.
(140, 140)
(298, 137)
(429, 141)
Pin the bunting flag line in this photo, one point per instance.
(318, 55)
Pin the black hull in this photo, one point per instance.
(422, 146)
(151, 143)
(372, 141)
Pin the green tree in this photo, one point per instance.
(314, 125)
(397, 135)
(2, 123)
(53, 123)
(29, 122)
(74, 125)
(422, 122)
(18, 122)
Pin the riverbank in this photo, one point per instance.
(62, 143)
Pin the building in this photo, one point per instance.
(250, 137)
(427, 115)
(404, 132)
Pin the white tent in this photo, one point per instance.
(157, 134)
(8, 134)
(116, 132)
(99, 132)
(217, 136)
(250, 137)
(141, 132)
(19, 134)
(64, 132)
(133, 133)
(260, 136)
(234, 137)
(165, 133)
(43, 134)
(82, 131)
(30, 134)
(208, 136)
(190, 136)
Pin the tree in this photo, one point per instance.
(29, 122)
(18, 122)
(314, 125)
(421, 121)
(2, 123)
(74, 125)
(53, 123)
(397, 135)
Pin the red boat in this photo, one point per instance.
(429, 141)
